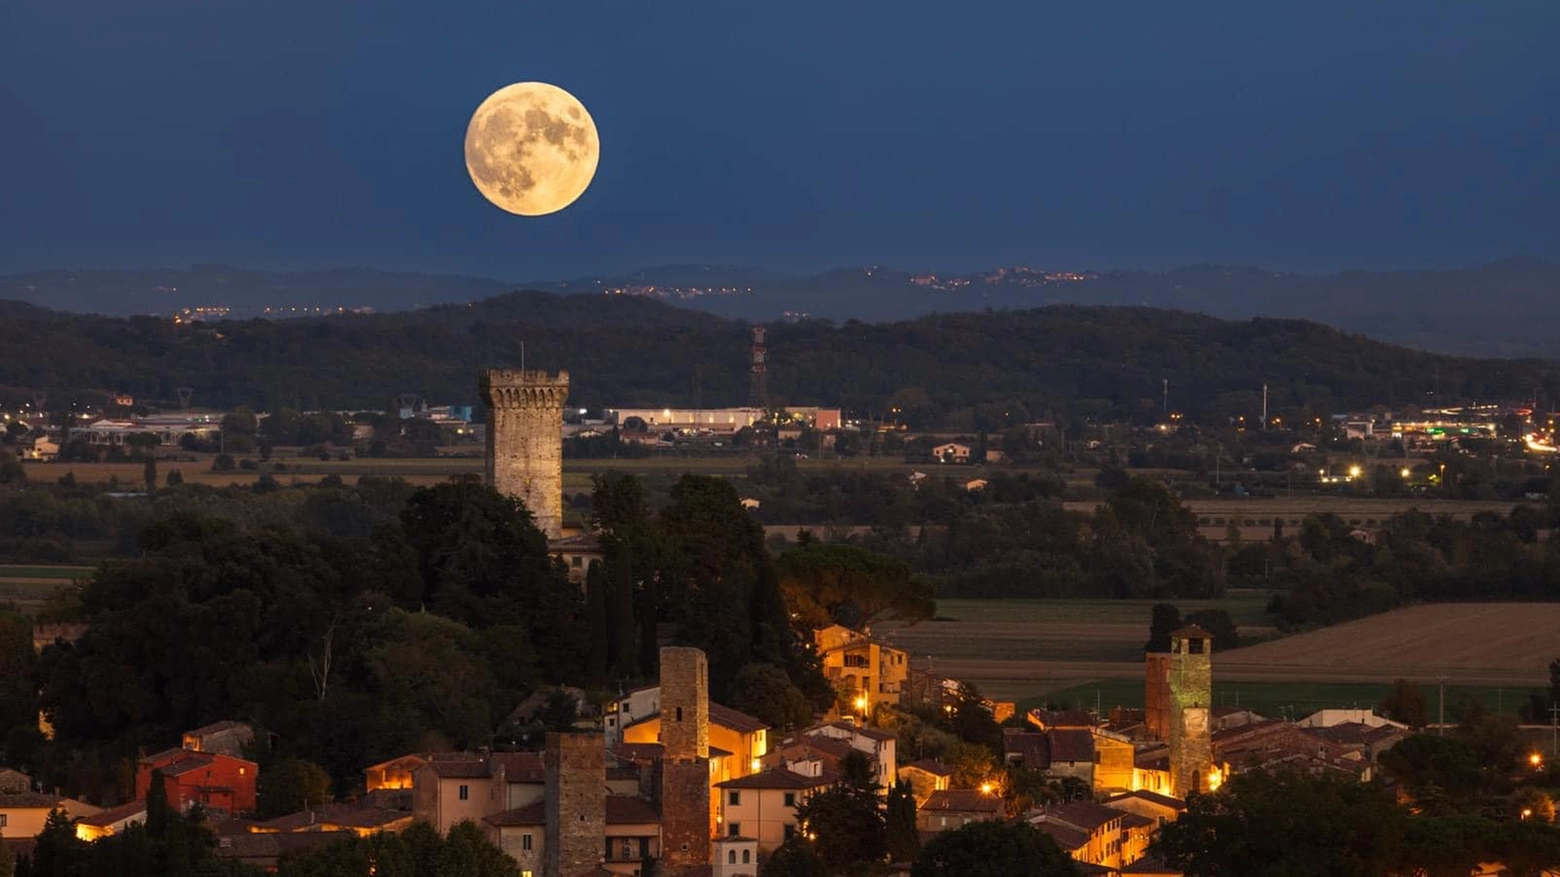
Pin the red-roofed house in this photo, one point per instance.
(948, 809)
(218, 783)
(763, 805)
(23, 814)
(110, 821)
(225, 737)
(925, 777)
(1107, 838)
(393, 774)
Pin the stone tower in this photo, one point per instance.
(576, 806)
(686, 820)
(1191, 699)
(525, 440)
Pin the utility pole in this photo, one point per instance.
(1440, 722)
(1165, 382)
(1264, 407)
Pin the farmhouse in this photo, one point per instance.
(952, 452)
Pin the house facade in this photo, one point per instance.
(218, 783)
(865, 672)
(762, 806)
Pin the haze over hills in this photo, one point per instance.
(965, 371)
(1503, 309)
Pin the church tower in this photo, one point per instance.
(1191, 701)
(525, 440)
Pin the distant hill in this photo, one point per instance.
(971, 370)
(245, 292)
(1504, 309)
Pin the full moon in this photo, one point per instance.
(531, 148)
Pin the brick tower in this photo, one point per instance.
(575, 809)
(1191, 698)
(525, 440)
(686, 823)
(1156, 694)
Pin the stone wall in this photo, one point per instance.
(525, 440)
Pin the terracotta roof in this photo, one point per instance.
(1062, 719)
(530, 814)
(780, 778)
(931, 766)
(20, 846)
(1191, 631)
(217, 727)
(624, 810)
(114, 814)
(1357, 733)
(166, 755)
(869, 733)
(963, 800)
(727, 717)
(1151, 797)
(832, 746)
(272, 845)
(1031, 748)
(367, 817)
(413, 758)
(1149, 865)
(28, 800)
(1084, 815)
(638, 751)
(1068, 744)
(1066, 837)
(520, 767)
(476, 768)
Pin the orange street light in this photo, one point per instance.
(1536, 760)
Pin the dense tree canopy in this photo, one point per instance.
(994, 849)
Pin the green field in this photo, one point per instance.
(1277, 699)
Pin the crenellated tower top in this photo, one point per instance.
(524, 388)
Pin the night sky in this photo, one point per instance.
(793, 135)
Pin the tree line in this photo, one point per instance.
(972, 371)
(358, 623)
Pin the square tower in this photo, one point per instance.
(687, 823)
(576, 805)
(1191, 702)
(525, 440)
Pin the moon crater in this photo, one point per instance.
(532, 148)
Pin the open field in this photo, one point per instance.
(1019, 649)
(31, 585)
(1470, 643)
(1031, 646)
(1279, 699)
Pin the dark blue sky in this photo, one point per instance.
(795, 135)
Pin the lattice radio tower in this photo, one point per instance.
(758, 388)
